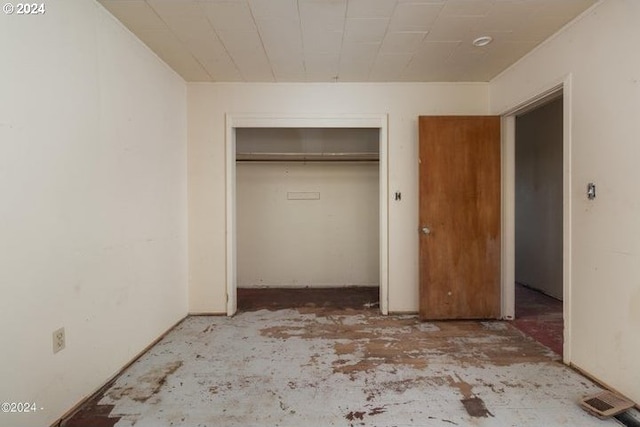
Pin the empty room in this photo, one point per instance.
(319, 212)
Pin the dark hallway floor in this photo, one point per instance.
(539, 316)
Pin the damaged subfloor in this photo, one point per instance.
(328, 366)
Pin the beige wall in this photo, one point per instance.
(329, 241)
(208, 104)
(539, 199)
(93, 211)
(599, 51)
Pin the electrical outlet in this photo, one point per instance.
(58, 340)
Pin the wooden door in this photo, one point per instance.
(459, 217)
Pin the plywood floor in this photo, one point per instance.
(317, 365)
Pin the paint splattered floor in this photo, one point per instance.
(332, 367)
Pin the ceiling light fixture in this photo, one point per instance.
(482, 41)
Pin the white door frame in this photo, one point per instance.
(234, 121)
(554, 89)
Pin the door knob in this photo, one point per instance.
(425, 230)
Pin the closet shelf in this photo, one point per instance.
(307, 157)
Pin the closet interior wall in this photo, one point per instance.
(307, 207)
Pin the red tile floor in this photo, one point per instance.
(539, 316)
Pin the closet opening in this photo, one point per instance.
(307, 218)
(308, 221)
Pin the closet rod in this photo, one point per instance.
(307, 157)
(308, 160)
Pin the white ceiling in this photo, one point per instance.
(342, 40)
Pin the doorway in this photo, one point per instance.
(538, 223)
(560, 89)
(303, 197)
